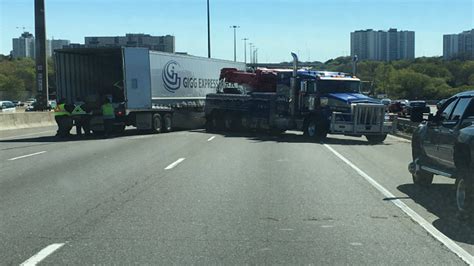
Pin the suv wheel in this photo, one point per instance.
(464, 193)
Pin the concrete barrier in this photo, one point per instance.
(26, 120)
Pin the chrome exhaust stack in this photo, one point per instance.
(293, 81)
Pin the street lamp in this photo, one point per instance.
(208, 32)
(245, 49)
(235, 48)
(250, 52)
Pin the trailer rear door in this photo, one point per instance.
(136, 62)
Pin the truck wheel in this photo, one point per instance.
(464, 193)
(229, 122)
(156, 123)
(315, 129)
(376, 139)
(167, 123)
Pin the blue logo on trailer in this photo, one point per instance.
(170, 77)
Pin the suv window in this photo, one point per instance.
(447, 110)
(460, 108)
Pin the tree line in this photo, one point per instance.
(429, 78)
(18, 78)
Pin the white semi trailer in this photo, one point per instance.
(150, 90)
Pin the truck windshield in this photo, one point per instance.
(328, 86)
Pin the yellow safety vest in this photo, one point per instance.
(108, 110)
(78, 110)
(60, 110)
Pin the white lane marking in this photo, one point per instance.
(45, 252)
(171, 166)
(211, 138)
(398, 138)
(25, 135)
(451, 245)
(24, 156)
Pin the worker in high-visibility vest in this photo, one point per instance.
(108, 114)
(81, 118)
(63, 119)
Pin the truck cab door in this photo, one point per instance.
(137, 77)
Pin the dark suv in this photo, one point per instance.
(444, 145)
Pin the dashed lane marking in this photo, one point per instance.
(173, 165)
(211, 138)
(45, 252)
(451, 245)
(25, 156)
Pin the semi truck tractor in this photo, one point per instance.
(315, 102)
(149, 90)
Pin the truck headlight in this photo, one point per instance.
(324, 101)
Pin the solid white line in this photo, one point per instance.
(45, 252)
(171, 166)
(25, 135)
(211, 138)
(24, 156)
(463, 254)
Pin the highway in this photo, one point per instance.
(192, 197)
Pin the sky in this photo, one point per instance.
(316, 30)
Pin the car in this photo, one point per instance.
(7, 107)
(30, 101)
(397, 106)
(416, 109)
(17, 103)
(444, 145)
(386, 102)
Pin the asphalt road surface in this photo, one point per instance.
(192, 197)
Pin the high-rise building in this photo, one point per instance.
(24, 46)
(461, 44)
(383, 45)
(52, 45)
(157, 43)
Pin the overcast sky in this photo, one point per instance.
(317, 30)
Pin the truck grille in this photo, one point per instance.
(368, 114)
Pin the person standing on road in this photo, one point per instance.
(108, 115)
(81, 118)
(63, 119)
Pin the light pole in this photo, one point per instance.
(41, 65)
(235, 44)
(245, 49)
(208, 32)
(250, 52)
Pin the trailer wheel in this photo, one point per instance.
(156, 122)
(167, 123)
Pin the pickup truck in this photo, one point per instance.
(444, 145)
